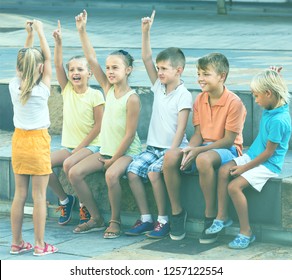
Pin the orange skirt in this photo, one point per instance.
(31, 153)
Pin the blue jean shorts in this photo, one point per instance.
(93, 149)
(150, 160)
(226, 155)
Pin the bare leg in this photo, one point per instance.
(113, 175)
(138, 190)
(57, 159)
(206, 164)
(172, 178)
(17, 208)
(74, 159)
(39, 187)
(235, 190)
(159, 191)
(222, 192)
(77, 175)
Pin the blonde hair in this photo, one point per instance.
(28, 60)
(78, 57)
(272, 81)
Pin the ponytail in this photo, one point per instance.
(28, 60)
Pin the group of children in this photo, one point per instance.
(100, 134)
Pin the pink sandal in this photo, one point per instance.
(48, 249)
(18, 249)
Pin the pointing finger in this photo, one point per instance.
(153, 15)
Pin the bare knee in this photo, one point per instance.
(75, 175)
(38, 196)
(66, 167)
(224, 172)
(111, 178)
(154, 176)
(132, 177)
(172, 159)
(203, 163)
(233, 189)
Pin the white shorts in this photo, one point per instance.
(257, 176)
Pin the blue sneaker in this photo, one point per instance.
(160, 231)
(66, 211)
(84, 215)
(218, 225)
(241, 241)
(140, 228)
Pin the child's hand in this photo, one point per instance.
(57, 34)
(236, 171)
(189, 155)
(147, 22)
(37, 25)
(107, 163)
(28, 26)
(81, 21)
(276, 68)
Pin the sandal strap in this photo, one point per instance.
(23, 246)
(115, 221)
(84, 227)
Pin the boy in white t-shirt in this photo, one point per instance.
(170, 111)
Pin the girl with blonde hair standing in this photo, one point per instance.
(29, 92)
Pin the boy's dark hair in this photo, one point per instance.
(217, 60)
(174, 55)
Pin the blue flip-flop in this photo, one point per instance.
(241, 241)
(218, 225)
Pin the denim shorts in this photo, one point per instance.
(226, 155)
(93, 149)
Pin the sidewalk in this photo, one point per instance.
(92, 246)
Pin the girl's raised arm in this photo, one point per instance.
(47, 67)
(58, 57)
(89, 52)
(30, 36)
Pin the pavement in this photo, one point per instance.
(252, 38)
(92, 246)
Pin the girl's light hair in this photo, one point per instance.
(78, 57)
(28, 62)
(271, 80)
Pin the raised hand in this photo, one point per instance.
(28, 26)
(276, 68)
(37, 25)
(81, 21)
(57, 34)
(147, 22)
